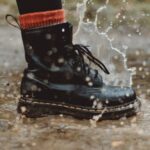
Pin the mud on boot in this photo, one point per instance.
(59, 81)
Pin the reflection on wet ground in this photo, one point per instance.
(61, 132)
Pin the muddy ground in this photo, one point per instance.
(61, 132)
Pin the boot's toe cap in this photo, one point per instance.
(117, 96)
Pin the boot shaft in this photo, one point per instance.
(46, 43)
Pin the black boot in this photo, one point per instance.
(58, 81)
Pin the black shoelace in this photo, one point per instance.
(82, 51)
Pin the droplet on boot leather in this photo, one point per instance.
(127, 95)
(87, 79)
(48, 36)
(94, 104)
(30, 75)
(90, 84)
(63, 30)
(55, 50)
(50, 53)
(61, 60)
(107, 101)
(28, 46)
(78, 69)
(99, 105)
(92, 97)
(34, 88)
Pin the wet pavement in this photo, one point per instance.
(61, 132)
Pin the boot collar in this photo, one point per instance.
(60, 34)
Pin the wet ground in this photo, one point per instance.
(61, 132)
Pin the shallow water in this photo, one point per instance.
(57, 132)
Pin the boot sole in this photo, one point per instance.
(38, 109)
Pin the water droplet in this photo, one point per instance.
(125, 47)
(122, 123)
(78, 69)
(116, 144)
(6, 64)
(87, 79)
(48, 36)
(34, 88)
(23, 109)
(144, 63)
(33, 144)
(137, 53)
(129, 35)
(63, 30)
(90, 83)
(107, 101)
(54, 49)
(140, 68)
(127, 94)
(30, 75)
(45, 81)
(99, 105)
(50, 53)
(92, 97)
(61, 60)
(124, 17)
(61, 115)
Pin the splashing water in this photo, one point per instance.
(101, 45)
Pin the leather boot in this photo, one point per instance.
(59, 81)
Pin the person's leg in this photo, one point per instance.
(29, 6)
(39, 13)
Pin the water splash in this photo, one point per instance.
(101, 45)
